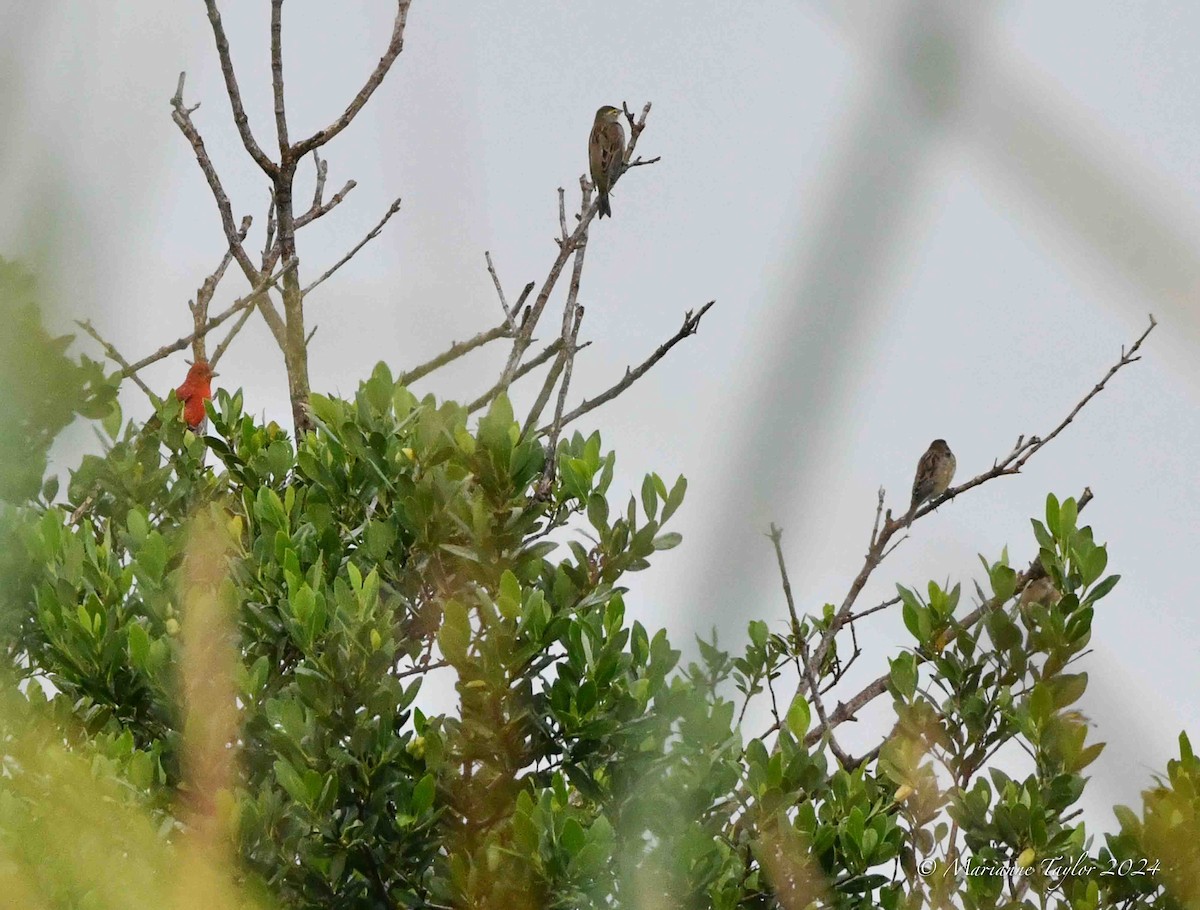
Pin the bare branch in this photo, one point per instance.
(508, 315)
(183, 119)
(395, 46)
(270, 250)
(281, 129)
(235, 94)
(182, 116)
(527, 367)
(456, 350)
(691, 322)
(204, 293)
(862, 614)
(641, 162)
(223, 346)
(567, 356)
(543, 396)
(371, 235)
(320, 209)
(804, 663)
(570, 321)
(565, 249)
(240, 304)
(322, 173)
(115, 356)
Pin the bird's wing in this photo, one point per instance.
(595, 153)
(925, 469)
(612, 150)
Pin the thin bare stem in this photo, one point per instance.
(270, 250)
(115, 356)
(395, 46)
(567, 355)
(691, 322)
(320, 209)
(508, 315)
(238, 305)
(182, 116)
(371, 235)
(235, 93)
(776, 536)
(543, 396)
(890, 602)
(223, 345)
(805, 664)
(281, 127)
(570, 320)
(456, 350)
(208, 287)
(526, 368)
(322, 167)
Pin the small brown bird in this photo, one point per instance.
(1040, 591)
(606, 153)
(935, 470)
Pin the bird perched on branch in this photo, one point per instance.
(606, 153)
(196, 389)
(1040, 591)
(935, 470)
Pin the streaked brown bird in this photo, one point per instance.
(935, 470)
(606, 153)
(1040, 591)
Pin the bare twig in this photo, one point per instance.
(508, 314)
(322, 167)
(223, 345)
(395, 46)
(526, 368)
(456, 350)
(115, 356)
(543, 395)
(890, 602)
(776, 536)
(235, 93)
(182, 116)
(570, 320)
(281, 128)
(320, 209)
(240, 304)
(204, 293)
(691, 321)
(567, 356)
(371, 235)
(270, 250)
(805, 664)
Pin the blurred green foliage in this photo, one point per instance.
(41, 388)
(397, 548)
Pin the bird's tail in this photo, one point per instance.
(604, 207)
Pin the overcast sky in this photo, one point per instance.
(889, 265)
